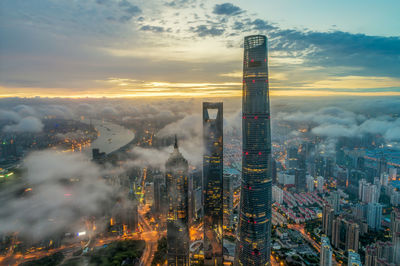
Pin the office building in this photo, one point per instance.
(213, 182)
(176, 179)
(253, 246)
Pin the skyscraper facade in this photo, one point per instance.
(176, 179)
(213, 182)
(254, 230)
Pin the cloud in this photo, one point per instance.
(261, 25)
(155, 29)
(27, 124)
(9, 116)
(109, 111)
(204, 31)
(335, 122)
(180, 3)
(227, 9)
(130, 9)
(65, 188)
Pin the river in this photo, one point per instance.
(111, 137)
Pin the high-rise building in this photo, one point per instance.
(228, 199)
(345, 234)
(393, 173)
(149, 193)
(320, 184)
(354, 259)
(213, 182)
(374, 215)
(384, 180)
(370, 256)
(334, 199)
(159, 194)
(328, 214)
(254, 231)
(310, 183)
(300, 179)
(326, 252)
(277, 194)
(395, 230)
(292, 160)
(176, 179)
(367, 192)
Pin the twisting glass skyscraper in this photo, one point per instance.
(213, 182)
(254, 235)
(177, 217)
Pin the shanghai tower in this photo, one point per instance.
(254, 231)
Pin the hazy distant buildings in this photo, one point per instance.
(177, 218)
(254, 230)
(213, 182)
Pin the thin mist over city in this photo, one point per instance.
(185, 132)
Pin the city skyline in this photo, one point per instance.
(188, 132)
(126, 48)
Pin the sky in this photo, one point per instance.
(192, 48)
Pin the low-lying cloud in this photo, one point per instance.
(60, 189)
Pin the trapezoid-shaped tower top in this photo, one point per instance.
(254, 41)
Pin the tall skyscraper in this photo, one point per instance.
(213, 182)
(326, 252)
(254, 231)
(176, 179)
(228, 200)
